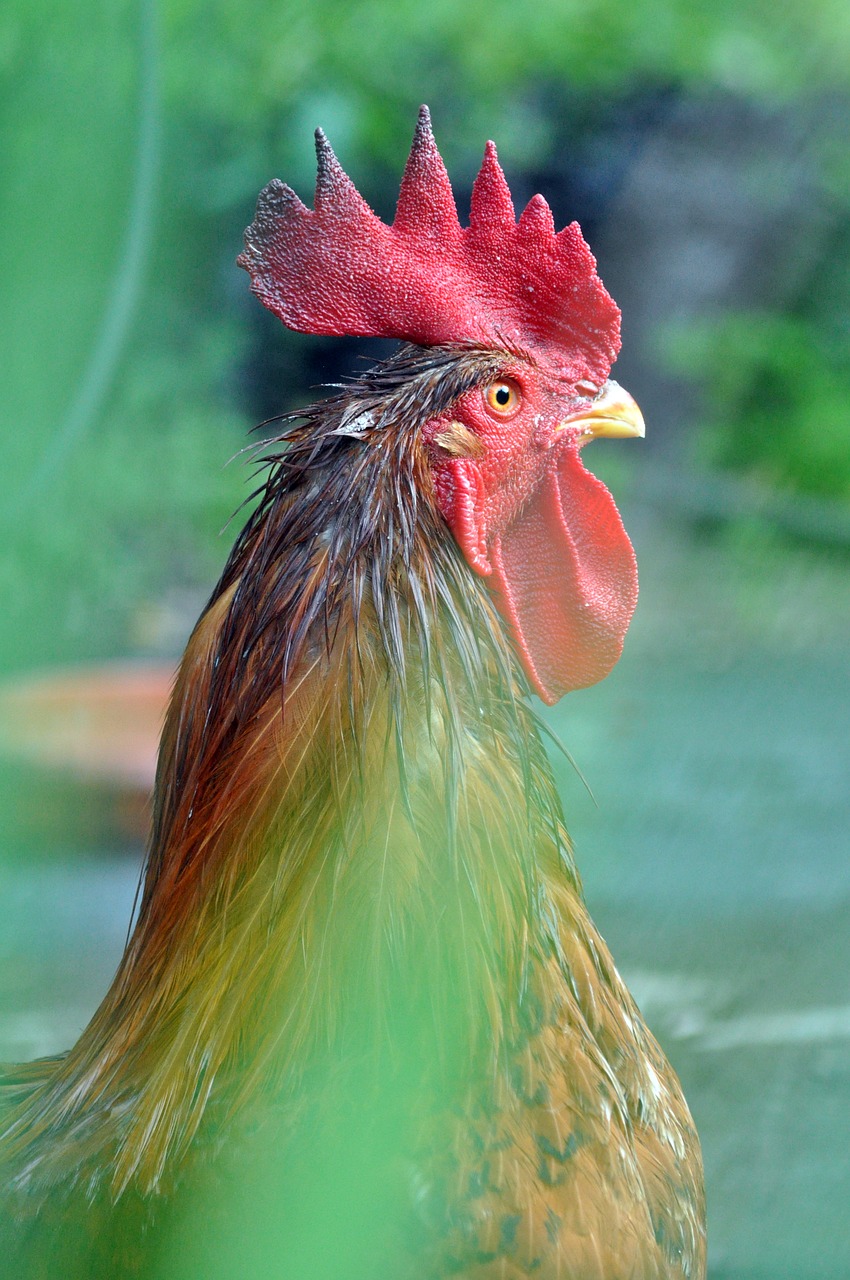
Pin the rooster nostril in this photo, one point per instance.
(588, 388)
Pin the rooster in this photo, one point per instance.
(364, 1025)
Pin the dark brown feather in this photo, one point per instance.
(359, 872)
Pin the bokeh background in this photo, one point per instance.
(703, 148)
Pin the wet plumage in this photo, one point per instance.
(364, 1024)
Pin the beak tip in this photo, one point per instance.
(613, 414)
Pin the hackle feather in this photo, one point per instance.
(358, 857)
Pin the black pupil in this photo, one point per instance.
(503, 395)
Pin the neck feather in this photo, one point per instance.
(353, 811)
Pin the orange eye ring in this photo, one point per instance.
(503, 397)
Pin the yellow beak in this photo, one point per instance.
(614, 414)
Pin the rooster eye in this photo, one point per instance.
(503, 398)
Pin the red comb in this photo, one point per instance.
(498, 282)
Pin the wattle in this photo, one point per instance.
(562, 571)
(565, 577)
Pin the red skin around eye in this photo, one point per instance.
(546, 535)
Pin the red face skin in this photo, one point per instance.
(541, 529)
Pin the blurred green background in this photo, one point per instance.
(704, 151)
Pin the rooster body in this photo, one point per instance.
(364, 1024)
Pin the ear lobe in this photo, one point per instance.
(460, 488)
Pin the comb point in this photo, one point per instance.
(491, 207)
(426, 204)
(336, 195)
(537, 221)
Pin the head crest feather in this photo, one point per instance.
(338, 269)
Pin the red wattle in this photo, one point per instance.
(565, 578)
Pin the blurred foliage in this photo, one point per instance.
(249, 83)
(133, 141)
(777, 399)
(137, 508)
(361, 64)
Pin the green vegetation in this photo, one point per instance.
(133, 141)
(777, 396)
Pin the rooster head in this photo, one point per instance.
(505, 458)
